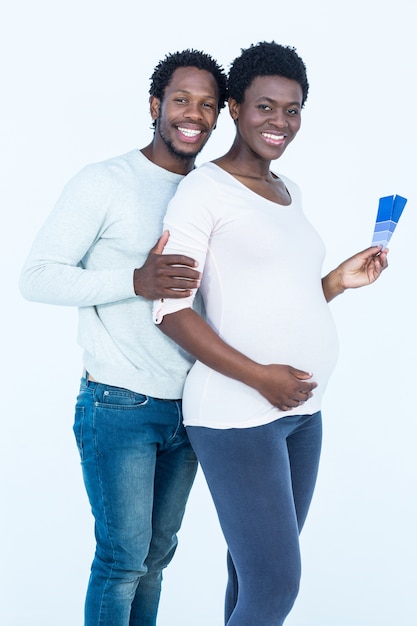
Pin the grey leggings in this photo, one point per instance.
(261, 480)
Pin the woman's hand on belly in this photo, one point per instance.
(285, 387)
(282, 385)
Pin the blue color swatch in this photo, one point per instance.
(389, 212)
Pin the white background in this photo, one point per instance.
(74, 84)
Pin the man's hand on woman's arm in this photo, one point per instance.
(165, 275)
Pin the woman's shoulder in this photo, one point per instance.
(288, 181)
(204, 177)
(293, 188)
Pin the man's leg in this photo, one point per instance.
(175, 471)
(118, 434)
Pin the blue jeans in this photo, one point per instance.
(262, 480)
(138, 469)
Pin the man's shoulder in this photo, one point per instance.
(108, 170)
(108, 164)
(129, 170)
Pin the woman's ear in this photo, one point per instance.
(233, 109)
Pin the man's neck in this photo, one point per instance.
(168, 161)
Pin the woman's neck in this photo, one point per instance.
(242, 165)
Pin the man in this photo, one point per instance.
(92, 252)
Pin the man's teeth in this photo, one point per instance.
(188, 132)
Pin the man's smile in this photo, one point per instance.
(190, 133)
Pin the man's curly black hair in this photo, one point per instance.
(163, 72)
(266, 59)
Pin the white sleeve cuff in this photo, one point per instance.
(165, 306)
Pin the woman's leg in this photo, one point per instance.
(249, 474)
(231, 589)
(304, 447)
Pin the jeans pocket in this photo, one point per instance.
(78, 429)
(118, 397)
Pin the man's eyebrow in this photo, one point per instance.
(188, 92)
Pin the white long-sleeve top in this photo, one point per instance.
(262, 291)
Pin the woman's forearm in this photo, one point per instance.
(332, 285)
(194, 335)
(282, 385)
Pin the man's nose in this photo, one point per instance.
(193, 111)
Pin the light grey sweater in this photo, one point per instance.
(105, 222)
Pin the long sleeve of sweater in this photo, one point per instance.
(60, 268)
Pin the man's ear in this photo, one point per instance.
(155, 107)
(215, 123)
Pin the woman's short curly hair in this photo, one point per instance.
(163, 72)
(266, 59)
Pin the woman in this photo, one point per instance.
(252, 400)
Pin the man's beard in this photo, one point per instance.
(181, 156)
